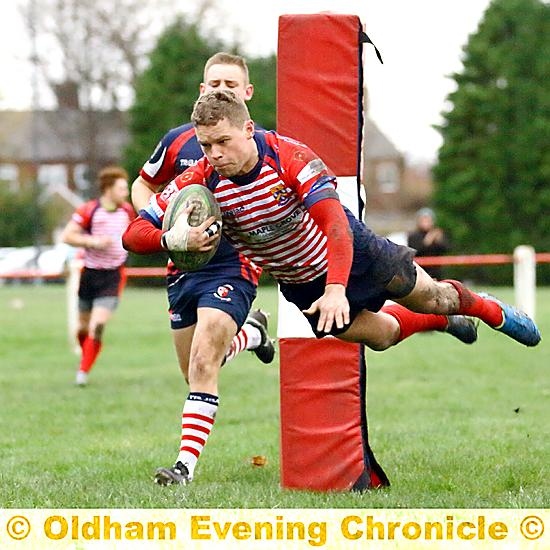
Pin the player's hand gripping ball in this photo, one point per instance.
(204, 206)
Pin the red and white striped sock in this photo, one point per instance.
(248, 337)
(199, 412)
(238, 344)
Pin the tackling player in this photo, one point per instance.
(210, 305)
(97, 226)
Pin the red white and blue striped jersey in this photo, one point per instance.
(96, 220)
(265, 213)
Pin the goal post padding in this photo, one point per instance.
(324, 437)
(319, 86)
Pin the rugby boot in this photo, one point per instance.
(266, 350)
(81, 378)
(516, 324)
(176, 475)
(462, 327)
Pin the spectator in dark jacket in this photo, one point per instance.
(428, 240)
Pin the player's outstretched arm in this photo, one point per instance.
(333, 306)
(143, 237)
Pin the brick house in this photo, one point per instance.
(55, 147)
(394, 189)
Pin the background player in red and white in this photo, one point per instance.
(97, 226)
(208, 306)
(281, 209)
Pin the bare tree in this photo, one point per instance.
(96, 48)
(87, 54)
(93, 48)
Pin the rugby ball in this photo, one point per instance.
(205, 206)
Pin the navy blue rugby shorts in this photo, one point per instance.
(189, 291)
(381, 270)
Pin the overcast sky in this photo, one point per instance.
(421, 43)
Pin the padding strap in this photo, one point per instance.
(364, 37)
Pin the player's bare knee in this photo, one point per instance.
(378, 345)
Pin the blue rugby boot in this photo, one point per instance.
(516, 324)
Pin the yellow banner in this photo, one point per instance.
(274, 529)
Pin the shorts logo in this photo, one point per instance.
(175, 317)
(223, 293)
(280, 194)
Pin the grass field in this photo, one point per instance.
(453, 426)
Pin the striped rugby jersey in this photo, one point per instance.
(265, 213)
(96, 220)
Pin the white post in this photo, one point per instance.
(292, 324)
(73, 281)
(525, 278)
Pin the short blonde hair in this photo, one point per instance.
(218, 105)
(108, 175)
(224, 58)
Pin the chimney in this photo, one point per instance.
(66, 94)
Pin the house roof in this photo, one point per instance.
(60, 136)
(377, 145)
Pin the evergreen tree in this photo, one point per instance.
(493, 170)
(164, 96)
(22, 222)
(166, 91)
(262, 106)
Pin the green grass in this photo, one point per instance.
(452, 425)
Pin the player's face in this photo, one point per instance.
(227, 77)
(118, 193)
(230, 150)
